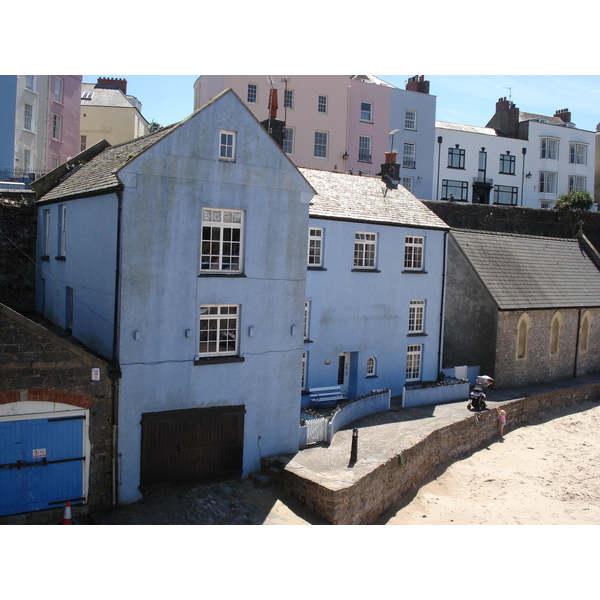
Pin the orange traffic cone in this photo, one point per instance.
(66, 520)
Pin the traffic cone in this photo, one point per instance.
(66, 520)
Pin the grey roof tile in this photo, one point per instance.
(528, 272)
(364, 198)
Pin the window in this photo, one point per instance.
(507, 164)
(549, 148)
(315, 247)
(56, 127)
(47, 232)
(304, 365)
(413, 362)
(288, 140)
(371, 367)
(28, 117)
(227, 145)
(218, 329)
(505, 194)
(409, 156)
(413, 253)
(456, 158)
(548, 181)
(306, 319)
(55, 162)
(82, 143)
(416, 316)
(523, 336)
(320, 149)
(30, 83)
(407, 183)
(252, 93)
(578, 154)
(555, 327)
(26, 160)
(288, 99)
(58, 89)
(459, 189)
(584, 334)
(364, 148)
(364, 250)
(410, 119)
(221, 241)
(322, 104)
(87, 95)
(366, 112)
(63, 230)
(577, 183)
(482, 166)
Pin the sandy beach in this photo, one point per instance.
(545, 473)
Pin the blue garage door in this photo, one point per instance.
(41, 464)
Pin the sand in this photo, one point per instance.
(544, 473)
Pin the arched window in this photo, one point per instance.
(584, 333)
(523, 327)
(557, 323)
(371, 366)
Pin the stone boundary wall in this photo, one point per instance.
(369, 498)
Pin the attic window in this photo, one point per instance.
(87, 95)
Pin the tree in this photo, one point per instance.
(575, 204)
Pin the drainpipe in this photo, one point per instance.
(115, 356)
(577, 345)
(437, 190)
(441, 336)
(524, 151)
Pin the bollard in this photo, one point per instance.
(354, 450)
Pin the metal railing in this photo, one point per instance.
(15, 175)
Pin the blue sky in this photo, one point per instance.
(467, 99)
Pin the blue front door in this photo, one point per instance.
(41, 463)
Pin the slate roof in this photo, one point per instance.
(528, 272)
(466, 128)
(100, 173)
(342, 196)
(104, 97)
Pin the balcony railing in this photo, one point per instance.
(11, 178)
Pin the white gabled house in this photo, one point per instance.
(180, 256)
(375, 287)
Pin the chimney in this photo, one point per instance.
(418, 84)
(504, 104)
(564, 115)
(112, 83)
(390, 170)
(275, 126)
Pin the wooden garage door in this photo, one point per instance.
(189, 446)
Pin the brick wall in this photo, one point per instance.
(365, 501)
(37, 365)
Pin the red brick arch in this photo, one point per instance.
(43, 395)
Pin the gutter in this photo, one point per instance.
(442, 308)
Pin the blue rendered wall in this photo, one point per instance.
(8, 99)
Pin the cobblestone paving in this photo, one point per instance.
(237, 502)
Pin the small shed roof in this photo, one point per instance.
(529, 272)
(343, 196)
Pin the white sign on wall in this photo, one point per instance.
(95, 374)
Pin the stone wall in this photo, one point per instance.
(18, 224)
(365, 501)
(513, 219)
(37, 365)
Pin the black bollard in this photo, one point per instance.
(354, 450)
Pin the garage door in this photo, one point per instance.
(190, 446)
(41, 463)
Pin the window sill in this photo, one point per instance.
(60, 258)
(308, 341)
(371, 376)
(45, 257)
(220, 274)
(420, 334)
(366, 271)
(217, 360)
(226, 160)
(316, 268)
(415, 271)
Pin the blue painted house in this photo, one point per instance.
(374, 289)
(181, 257)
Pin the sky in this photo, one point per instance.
(465, 99)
